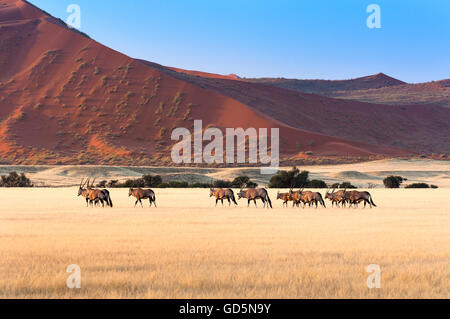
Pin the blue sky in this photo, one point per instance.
(326, 39)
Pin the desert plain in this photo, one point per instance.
(187, 248)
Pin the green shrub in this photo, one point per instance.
(243, 182)
(221, 184)
(393, 181)
(315, 183)
(347, 185)
(101, 184)
(15, 180)
(288, 179)
(144, 181)
(199, 185)
(174, 184)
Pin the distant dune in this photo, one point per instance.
(378, 88)
(436, 93)
(323, 87)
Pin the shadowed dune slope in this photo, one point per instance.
(419, 128)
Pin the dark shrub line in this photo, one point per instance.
(156, 182)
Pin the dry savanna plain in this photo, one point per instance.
(187, 248)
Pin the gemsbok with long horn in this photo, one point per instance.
(335, 197)
(285, 197)
(221, 194)
(297, 198)
(307, 197)
(356, 197)
(141, 194)
(82, 191)
(98, 195)
(253, 194)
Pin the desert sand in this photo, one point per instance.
(187, 248)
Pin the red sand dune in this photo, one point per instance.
(67, 99)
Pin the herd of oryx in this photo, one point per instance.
(342, 197)
(298, 198)
(95, 197)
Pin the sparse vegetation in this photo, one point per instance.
(162, 131)
(105, 80)
(160, 109)
(130, 94)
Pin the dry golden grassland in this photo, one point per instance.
(186, 248)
